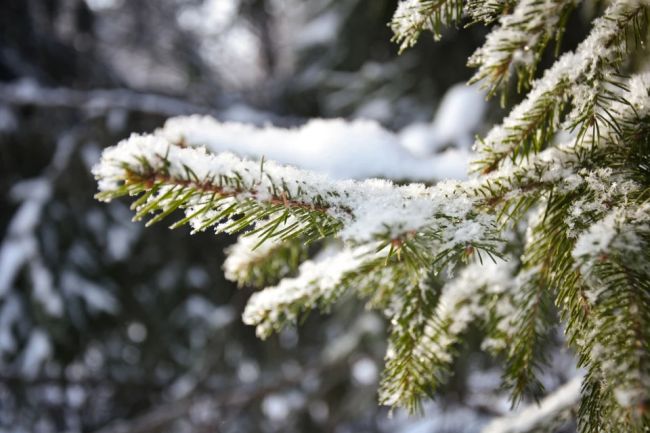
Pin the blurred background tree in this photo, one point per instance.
(106, 327)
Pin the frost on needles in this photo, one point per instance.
(555, 222)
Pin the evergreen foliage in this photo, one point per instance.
(549, 227)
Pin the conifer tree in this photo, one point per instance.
(555, 223)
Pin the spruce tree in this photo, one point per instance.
(553, 226)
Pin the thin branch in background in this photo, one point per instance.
(98, 101)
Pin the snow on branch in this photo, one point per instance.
(613, 256)
(319, 282)
(621, 230)
(530, 126)
(525, 318)
(412, 17)
(230, 194)
(565, 167)
(519, 42)
(409, 376)
(253, 262)
(487, 11)
(357, 149)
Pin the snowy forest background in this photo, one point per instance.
(106, 327)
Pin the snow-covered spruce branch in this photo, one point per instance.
(583, 203)
(613, 258)
(531, 125)
(605, 331)
(570, 204)
(412, 17)
(519, 42)
(396, 283)
(284, 302)
(319, 283)
(408, 310)
(233, 195)
(253, 262)
(422, 352)
(526, 330)
(583, 162)
(572, 195)
(487, 11)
